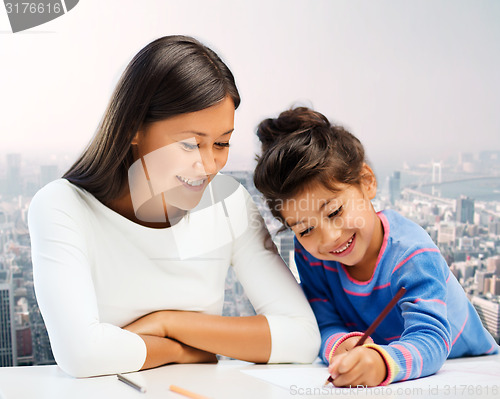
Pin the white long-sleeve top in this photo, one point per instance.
(96, 271)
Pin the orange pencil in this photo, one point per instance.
(185, 392)
(376, 322)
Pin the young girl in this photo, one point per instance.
(352, 260)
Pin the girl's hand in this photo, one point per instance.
(358, 366)
(349, 344)
(152, 324)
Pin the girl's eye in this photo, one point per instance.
(222, 145)
(189, 146)
(306, 231)
(336, 212)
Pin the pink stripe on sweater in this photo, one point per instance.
(313, 264)
(408, 359)
(317, 300)
(462, 329)
(419, 251)
(446, 344)
(330, 342)
(429, 300)
(357, 293)
(379, 287)
(385, 225)
(420, 357)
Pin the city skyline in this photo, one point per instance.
(410, 79)
(464, 165)
(466, 230)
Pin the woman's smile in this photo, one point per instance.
(193, 184)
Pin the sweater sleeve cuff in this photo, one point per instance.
(390, 364)
(330, 349)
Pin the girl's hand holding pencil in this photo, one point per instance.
(358, 366)
(349, 344)
(361, 365)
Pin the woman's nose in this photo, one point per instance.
(207, 163)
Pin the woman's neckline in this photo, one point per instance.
(132, 220)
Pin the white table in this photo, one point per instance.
(224, 380)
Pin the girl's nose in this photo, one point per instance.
(330, 236)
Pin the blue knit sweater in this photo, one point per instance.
(433, 321)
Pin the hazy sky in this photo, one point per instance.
(414, 80)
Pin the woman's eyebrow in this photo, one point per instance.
(203, 134)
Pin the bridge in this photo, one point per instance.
(461, 180)
(430, 197)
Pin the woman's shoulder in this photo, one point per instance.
(58, 194)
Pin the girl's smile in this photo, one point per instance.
(345, 248)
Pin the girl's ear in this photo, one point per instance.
(368, 181)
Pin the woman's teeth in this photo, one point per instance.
(193, 183)
(345, 246)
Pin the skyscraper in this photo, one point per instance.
(395, 187)
(8, 349)
(13, 180)
(465, 210)
(489, 313)
(493, 265)
(48, 173)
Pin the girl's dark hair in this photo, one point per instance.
(302, 148)
(170, 76)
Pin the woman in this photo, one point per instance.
(132, 246)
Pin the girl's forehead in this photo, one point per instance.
(317, 195)
(312, 201)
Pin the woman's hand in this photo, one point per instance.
(246, 338)
(358, 366)
(162, 351)
(152, 324)
(193, 355)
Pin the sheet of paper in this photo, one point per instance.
(453, 377)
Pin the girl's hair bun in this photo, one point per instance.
(289, 123)
(301, 148)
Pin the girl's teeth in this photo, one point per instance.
(345, 247)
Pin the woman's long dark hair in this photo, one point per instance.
(172, 75)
